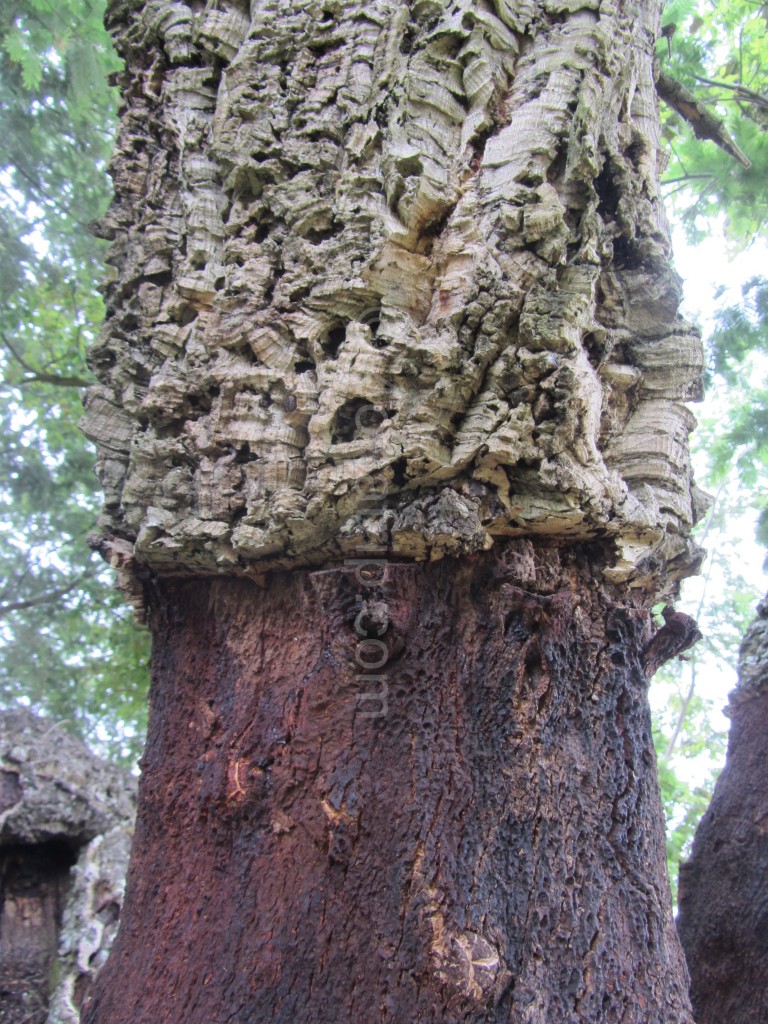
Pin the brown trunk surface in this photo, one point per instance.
(469, 829)
(723, 921)
(34, 881)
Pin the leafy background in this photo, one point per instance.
(69, 647)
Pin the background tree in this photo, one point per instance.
(721, 914)
(723, 909)
(69, 647)
(718, 53)
(689, 731)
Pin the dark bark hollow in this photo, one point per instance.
(465, 827)
(723, 919)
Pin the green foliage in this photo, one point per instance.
(69, 647)
(740, 331)
(687, 696)
(720, 52)
(738, 438)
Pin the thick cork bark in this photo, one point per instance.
(410, 250)
(419, 794)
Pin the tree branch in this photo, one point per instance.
(682, 716)
(57, 381)
(685, 178)
(742, 92)
(705, 125)
(40, 376)
(46, 598)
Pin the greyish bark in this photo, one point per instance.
(66, 820)
(410, 251)
(392, 278)
(723, 919)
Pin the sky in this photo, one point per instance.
(705, 268)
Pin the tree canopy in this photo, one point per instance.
(718, 53)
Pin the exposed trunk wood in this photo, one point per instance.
(723, 919)
(491, 848)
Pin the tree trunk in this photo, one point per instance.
(65, 816)
(723, 920)
(392, 280)
(325, 842)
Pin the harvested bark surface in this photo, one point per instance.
(398, 793)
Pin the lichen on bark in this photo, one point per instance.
(415, 251)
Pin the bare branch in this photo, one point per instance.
(742, 92)
(705, 125)
(48, 597)
(41, 376)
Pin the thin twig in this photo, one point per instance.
(47, 598)
(40, 376)
(682, 716)
(747, 94)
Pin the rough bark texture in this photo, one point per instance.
(723, 920)
(393, 277)
(65, 820)
(408, 254)
(342, 845)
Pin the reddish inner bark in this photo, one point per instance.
(480, 839)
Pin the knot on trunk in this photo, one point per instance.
(679, 633)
